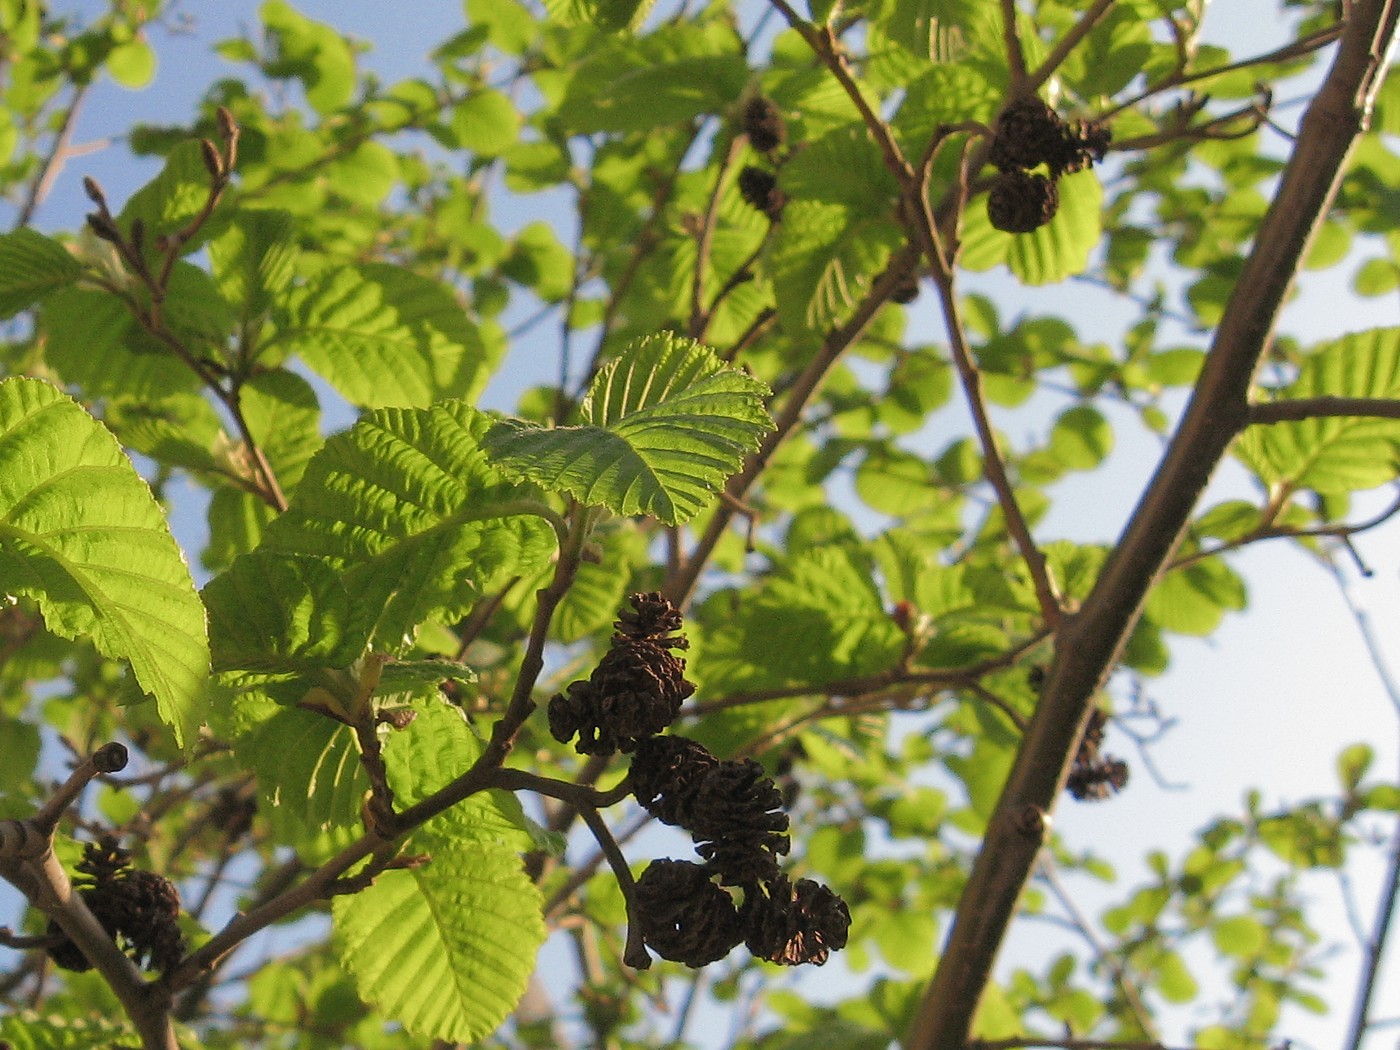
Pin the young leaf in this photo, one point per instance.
(32, 266)
(81, 534)
(446, 949)
(406, 505)
(666, 423)
(384, 336)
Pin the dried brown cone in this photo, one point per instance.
(1020, 202)
(636, 690)
(666, 774)
(651, 616)
(1083, 143)
(764, 124)
(1028, 133)
(683, 915)
(139, 910)
(738, 824)
(792, 925)
(1098, 779)
(759, 189)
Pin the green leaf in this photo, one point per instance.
(1194, 599)
(27, 1030)
(1174, 980)
(1352, 765)
(384, 336)
(284, 615)
(1240, 936)
(133, 64)
(312, 52)
(309, 775)
(823, 258)
(174, 197)
(438, 747)
(407, 507)
(1058, 250)
(32, 266)
(253, 259)
(82, 535)
(1334, 454)
(1081, 438)
(592, 601)
(667, 77)
(94, 343)
(445, 949)
(667, 423)
(486, 123)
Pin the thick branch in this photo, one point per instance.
(1091, 640)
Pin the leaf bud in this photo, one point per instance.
(213, 163)
(94, 191)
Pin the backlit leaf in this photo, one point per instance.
(82, 535)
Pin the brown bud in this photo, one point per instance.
(213, 163)
(94, 191)
(228, 127)
(110, 758)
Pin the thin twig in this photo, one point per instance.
(53, 161)
(1066, 44)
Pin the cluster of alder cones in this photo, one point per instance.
(689, 912)
(1030, 135)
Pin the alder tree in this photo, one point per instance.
(738, 643)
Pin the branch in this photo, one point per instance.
(1066, 44)
(27, 861)
(1293, 409)
(681, 583)
(1091, 640)
(52, 163)
(993, 464)
(1015, 54)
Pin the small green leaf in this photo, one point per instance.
(27, 1030)
(82, 535)
(438, 747)
(309, 775)
(133, 64)
(312, 52)
(445, 949)
(1081, 438)
(1352, 765)
(667, 424)
(32, 266)
(1240, 936)
(486, 123)
(1194, 599)
(174, 197)
(1335, 454)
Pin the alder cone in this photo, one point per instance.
(684, 916)
(764, 124)
(1020, 202)
(760, 191)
